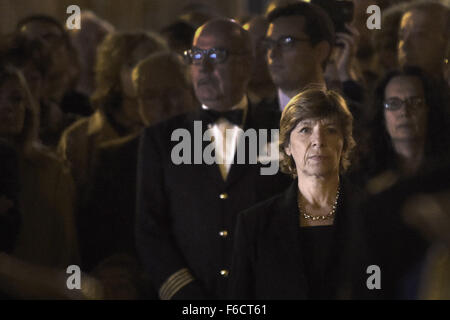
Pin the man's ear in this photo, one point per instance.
(323, 51)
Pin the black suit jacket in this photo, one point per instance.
(9, 193)
(106, 215)
(271, 107)
(267, 258)
(353, 94)
(186, 213)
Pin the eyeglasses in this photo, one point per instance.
(284, 43)
(214, 55)
(394, 104)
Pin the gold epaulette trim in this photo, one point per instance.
(174, 283)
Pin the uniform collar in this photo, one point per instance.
(243, 104)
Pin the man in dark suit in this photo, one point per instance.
(9, 192)
(298, 43)
(186, 212)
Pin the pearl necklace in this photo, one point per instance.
(315, 218)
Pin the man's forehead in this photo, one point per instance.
(424, 19)
(41, 28)
(290, 25)
(209, 40)
(215, 38)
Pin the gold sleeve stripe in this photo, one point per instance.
(179, 285)
(174, 283)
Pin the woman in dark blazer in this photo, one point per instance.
(303, 243)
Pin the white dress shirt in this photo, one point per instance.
(225, 138)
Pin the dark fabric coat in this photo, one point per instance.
(268, 262)
(397, 247)
(106, 215)
(9, 193)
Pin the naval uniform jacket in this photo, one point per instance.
(267, 257)
(186, 213)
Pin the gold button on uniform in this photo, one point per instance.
(224, 273)
(223, 233)
(223, 196)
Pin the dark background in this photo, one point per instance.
(124, 14)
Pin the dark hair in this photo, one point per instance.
(437, 138)
(179, 35)
(318, 25)
(45, 19)
(40, 18)
(432, 6)
(112, 54)
(19, 50)
(29, 133)
(65, 40)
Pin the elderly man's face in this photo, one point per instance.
(290, 65)
(422, 40)
(222, 85)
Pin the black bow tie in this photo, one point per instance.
(234, 116)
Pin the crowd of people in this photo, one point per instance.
(89, 129)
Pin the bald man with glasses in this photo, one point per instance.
(186, 212)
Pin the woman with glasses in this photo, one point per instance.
(410, 140)
(409, 127)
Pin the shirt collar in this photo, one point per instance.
(283, 99)
(243, 104)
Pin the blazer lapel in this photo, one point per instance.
(287, 247)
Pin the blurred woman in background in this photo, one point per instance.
(114, 99)
(46, 239)
(410, 139)
(409, 127)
